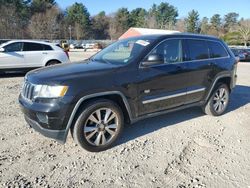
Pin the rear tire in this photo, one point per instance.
(98, 126)
(218, 101)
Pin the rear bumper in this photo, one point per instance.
(233, 81)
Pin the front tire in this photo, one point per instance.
(98, 126)
(218, 101)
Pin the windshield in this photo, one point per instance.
(123, 51)
(5, 43)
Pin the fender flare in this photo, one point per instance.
(81, 100)
(227, 75)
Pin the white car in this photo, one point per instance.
(26, 54)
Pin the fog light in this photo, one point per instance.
(42, 118)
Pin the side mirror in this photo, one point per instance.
(2, 50)
(152, 59)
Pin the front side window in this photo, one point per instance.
(123, 51)
(169, 51)
(216, 50)
(28, 46)
(198, 49)
(14, 47)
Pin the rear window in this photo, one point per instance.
(197, 49)
(216, 50)
(28, 46)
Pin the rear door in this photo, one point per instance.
(163, 86)
(200, 69)
(34, 54)
(12, 57)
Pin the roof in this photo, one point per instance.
(174, 35)
(35, 41)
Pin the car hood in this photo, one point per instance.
(65, 72)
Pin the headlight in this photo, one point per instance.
(45, 91)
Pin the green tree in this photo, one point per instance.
(232, 38)
(216, 21)
(120, 23)
(41, 5)
(230, 21)
(100, 26)
(166, 15)
(138, 17)
(79, 18)
(151, 17)
(192, 22)
(204, 27)
(215, 25)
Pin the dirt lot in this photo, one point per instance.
(181, 149)
(79, 54)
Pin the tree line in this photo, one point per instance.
(43, 19)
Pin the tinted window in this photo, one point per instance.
(14, 47)
(216, 50)
(47, 47)
(169, 51)
(197, 50)
(28, 46)
(3, 41)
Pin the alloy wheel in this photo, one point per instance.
(220, 100)
(101, 126)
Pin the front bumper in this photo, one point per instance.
(58, 135)
(49, 118)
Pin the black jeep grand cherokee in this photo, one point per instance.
(129, 80)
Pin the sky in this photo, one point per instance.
(204, 7)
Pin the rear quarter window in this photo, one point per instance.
(216, 50)
(47, 47)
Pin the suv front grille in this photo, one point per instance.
(28, 90)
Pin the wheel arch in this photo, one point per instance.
(225, 78)
(50, 60)
(115, 96)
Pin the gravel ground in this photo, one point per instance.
(181, 149)
(79, 54)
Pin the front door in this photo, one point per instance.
(163, 86)
(12, 57)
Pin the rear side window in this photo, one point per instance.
(198, 50)
(216, 50)
(28, 46)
